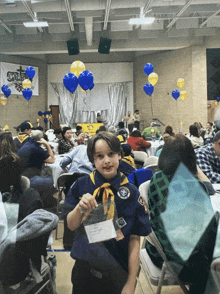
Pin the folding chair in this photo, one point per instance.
(64, 182)
(151, 160)
(140, 158)
(154, 275)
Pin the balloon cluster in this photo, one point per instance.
(152, 79)
(7, 92)
(45, 116)
(217, 100)
(26, 84)
(180, 94)
(78, 75)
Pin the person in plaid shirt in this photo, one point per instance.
(208, 159)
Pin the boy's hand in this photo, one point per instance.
(87, 203)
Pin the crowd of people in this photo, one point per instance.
(106, 160)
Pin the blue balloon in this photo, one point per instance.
(4, 87)
(45, 120)
(148, 88)
(175, 94)
(91, 86)
(27, 93)
(30, 72)
(40, 113)
(148, 68)
(86, 79)
(70, 81)
(218, 99)
(7, 92)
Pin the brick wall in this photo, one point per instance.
(18, 108)
(187, 63)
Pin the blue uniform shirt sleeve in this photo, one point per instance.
(141, 226)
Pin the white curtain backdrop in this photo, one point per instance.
(111, 100)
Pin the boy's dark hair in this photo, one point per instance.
(57, 131)
(112, 141)
(136, 133)
(169, 130)
(64, 130)
(137, 110)
(121, 125)
(78, 128)
(176, 150)
(194, 131)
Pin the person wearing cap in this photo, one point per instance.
(26, 128)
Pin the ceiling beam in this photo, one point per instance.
(178, 15)
(69, 14)
(107, 11)
(31, 13)
(210, 17)
(89, 30)
(5, 26)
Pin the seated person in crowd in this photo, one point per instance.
(169, 130)
(33, 158)
(176, 150)
(118, 270)
(137, 143)
(79, 135)
(196, 140)
(22, 138)
(78, 160)
(58, 134)
(12, 186)
(121, 127)
(126, 164)
(208, 159)
(66, 144)
(165, 137)
(151, 131)
(101, 129)
(209, 133)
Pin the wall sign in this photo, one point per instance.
(13, 75)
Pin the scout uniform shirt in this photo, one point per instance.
(135, 220)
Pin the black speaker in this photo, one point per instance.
(73, 46)
(104, 45)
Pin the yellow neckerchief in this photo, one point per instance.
(130, 160)
(22, 137)
(106, 193)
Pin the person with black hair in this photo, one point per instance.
(66, 144)
(196, 140)
(58, 134)
(137, 143)
(121, 127)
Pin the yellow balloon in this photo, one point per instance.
(3, 100)
(49, 109)
(153, 78)
(216, 103)
(77, 67)
(38, 120)
(183, 95)
(180, 82)
(47, 116)
(26, 84)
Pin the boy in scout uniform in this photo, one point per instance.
(109, 266)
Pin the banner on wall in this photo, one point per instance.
(13, 74)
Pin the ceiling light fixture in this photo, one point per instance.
(35, 24)
(142, 20)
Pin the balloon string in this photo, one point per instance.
(151, 106)
(177, 111)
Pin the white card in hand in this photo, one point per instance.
(101, 231)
